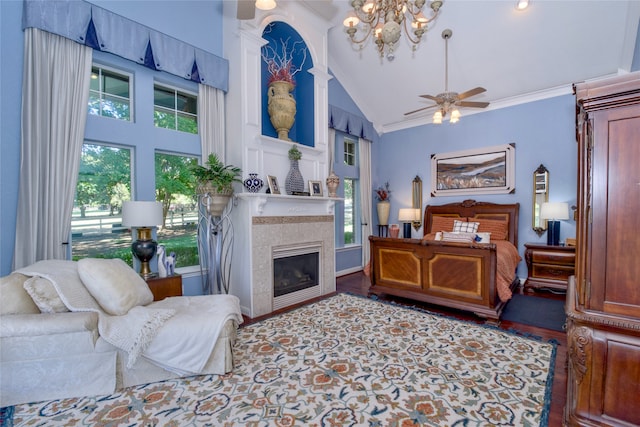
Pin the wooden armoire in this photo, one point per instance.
(603, 298)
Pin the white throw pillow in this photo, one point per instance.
(484, 237)
(15, 300)
(44, 294)
(115, 285)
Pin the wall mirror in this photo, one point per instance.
(417, 201)
(540, 196)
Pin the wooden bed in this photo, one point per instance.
(451, 274)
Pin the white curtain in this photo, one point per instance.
(55, 93)
(331, 147)
(365, 196)
(211, 121)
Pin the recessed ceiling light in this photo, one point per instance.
(522, 4)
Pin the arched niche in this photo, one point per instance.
(278, 35)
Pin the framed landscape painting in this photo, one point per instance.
(487, 170)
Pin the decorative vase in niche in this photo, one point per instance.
(383, 212)
(281, 107)
(253, 184)
(333, 181)
(294, 181)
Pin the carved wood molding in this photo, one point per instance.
(579, 340)
(603, 320)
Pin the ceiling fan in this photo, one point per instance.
(447, 101)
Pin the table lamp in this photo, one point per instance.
(553, 213)
(408, 216)
(143, 216)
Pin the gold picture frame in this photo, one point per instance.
(315, 188)
(273, 184)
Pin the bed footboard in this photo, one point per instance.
(454, 275)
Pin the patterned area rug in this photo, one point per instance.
(342, 361)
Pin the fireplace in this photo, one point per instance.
(296, 274)
(282, 227)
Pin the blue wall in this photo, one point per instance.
(195, 22)
(543, 131)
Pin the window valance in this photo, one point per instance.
(106, 31)
(352, 124)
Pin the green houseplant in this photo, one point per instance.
(215, 180)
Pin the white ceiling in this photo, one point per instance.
(518, 56)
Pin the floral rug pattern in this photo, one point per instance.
(342, 361)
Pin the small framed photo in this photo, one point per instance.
(273, 184)
(315, 188)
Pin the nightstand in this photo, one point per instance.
(162, 287)
(549, 267)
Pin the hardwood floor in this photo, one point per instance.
(358, 283)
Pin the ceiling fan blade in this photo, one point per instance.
(472, 104)
(434, 98)
(246, 9)
(471, 92)
(419, 109)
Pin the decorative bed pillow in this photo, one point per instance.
(458, 237)
(498, 229)
(442, 223)
(115, 285)
(15, 300)
(483, 237)
(465, 227)
(44, 294)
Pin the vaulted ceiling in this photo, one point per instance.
(518, 56)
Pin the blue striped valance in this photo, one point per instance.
(352, 124)
(106, 31)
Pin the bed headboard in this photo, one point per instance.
(473, 209)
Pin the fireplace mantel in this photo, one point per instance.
(262, 204)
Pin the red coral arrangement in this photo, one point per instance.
(383, 192)
(279, 59)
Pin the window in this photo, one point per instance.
(348, 230)
(109, 94)
(130, 160)
(349, 206)
(104, 182)
(175, 110)
(349, 152)
(174, 188)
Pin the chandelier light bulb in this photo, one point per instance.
(351, 20)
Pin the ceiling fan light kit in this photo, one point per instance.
(384, 20)
(446, 102)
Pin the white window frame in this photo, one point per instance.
(120, 72)
(175, 111)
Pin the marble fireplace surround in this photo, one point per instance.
(275, 233)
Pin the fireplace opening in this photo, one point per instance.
(295, 272)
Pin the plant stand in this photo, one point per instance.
(215, 247)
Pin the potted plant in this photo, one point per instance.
(215, 181)
(383, 194)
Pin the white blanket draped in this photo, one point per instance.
(177, 334)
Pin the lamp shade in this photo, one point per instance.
(141, 214)
(408, 215)
(556, 210)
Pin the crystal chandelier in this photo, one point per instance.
(384, 20)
